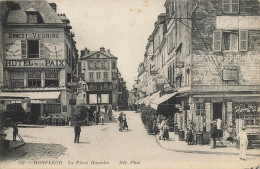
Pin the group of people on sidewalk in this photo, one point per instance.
(122, 123)
(100, 117)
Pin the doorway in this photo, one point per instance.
(35, 113)
(217, 110)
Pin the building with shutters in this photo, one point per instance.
(99, 74)
(212, 65)
(39, 59)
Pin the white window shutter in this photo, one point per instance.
(243, 40)
(24, 49)
(217, 40)
(42, 49)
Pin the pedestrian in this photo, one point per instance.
(120, 122)
(154, 126)
(94, 116)
(125, 123)
(166, 131)
(219, 127)
(15, 131)
(102, 119)
(189, 136)
(110, 114)
(77, 131)
(106, 108)
(214, 133)
(242, 137)
(163, 122)
(97, 117)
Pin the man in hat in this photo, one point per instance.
(242, 136)
(77, 131)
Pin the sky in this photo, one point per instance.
(123, 26)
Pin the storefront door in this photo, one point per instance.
(35, 112)
(217, 110)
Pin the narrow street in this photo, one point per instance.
(109, 148)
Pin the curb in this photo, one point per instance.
(201, 152)
(31, 126)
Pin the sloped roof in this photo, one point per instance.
(91, 53)
(42, 6)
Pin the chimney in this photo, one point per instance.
(53, 6)
(82, 53)
(108, 50)
(102, 49)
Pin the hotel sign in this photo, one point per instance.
(34, 63)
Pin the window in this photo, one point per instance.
(179, 81)
(32, 49)
(201, 116)
(113, 65)
(170, 41)
(106, 86)
(34, 17)
(230, 73)
(98, 74)
(230, 40)
(247, 111)
(34, 79)
(230, 6)
(98, 64)
(114, 85)
(98, 86)
(91, 75)
(106, 64)
(16, 79)
(91, 87)
(114, 75)
(51, 79)
(90, 64)
(106, 75)
(52, 108)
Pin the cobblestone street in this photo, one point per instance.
(103, 146)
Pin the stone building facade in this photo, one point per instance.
(39, 59)
(212, 64)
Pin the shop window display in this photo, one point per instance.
(200, 116)
(248, 112)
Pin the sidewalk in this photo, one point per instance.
(173, 144)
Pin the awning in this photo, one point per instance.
(31, 95)
(142, 101)
(162, 99)
(152, 97)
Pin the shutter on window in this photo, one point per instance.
(217, 38)
(42, 49)
(226, 6)
(23, 48)
(235, 6)
(243, 40)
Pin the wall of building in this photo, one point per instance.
(247, 62)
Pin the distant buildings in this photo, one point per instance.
(39, 59)
(103, 84)
(202, 58)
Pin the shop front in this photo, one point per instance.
(232, 110)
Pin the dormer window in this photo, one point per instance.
(33, 16)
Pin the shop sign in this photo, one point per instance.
(33, 35)
(34, 63)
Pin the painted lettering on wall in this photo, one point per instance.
(33, 35)
(34, 63)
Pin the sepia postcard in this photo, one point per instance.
(143, 84)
